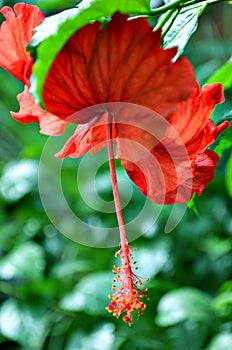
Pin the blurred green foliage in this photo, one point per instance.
(53, 292)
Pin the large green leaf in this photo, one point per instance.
(26, 261)
(178, 29)
(46, 5)
(222, 75)
(89, 295)
(223, 304)
(25, 324)
(102, 337)
(18, 179)
(148, 266)
(184, 304)
(54, 31)
(221, 342)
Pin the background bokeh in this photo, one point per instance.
(53, 292)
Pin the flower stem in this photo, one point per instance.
(117, 202)
(127, 290)
(165, 18)
(179, 3)
(125, 252)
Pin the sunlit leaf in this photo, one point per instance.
(54, 31)
(184, 304)
(221, 342)
(223, 75)
(26, 261)
(102, 338)
(179, 30)
(18, 179)
(223, 304)
(89, 295)
(25, 324)
(67, 268)
(217, 247)
(227, 286)
(148, 266)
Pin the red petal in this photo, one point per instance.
(203, 169)
(192, 117)
(134, 124)
(162, 173)
(206, 137)
(123, 62)
(30, 111)
(191, 120)
(88, 137)
(185, 164)
(172, 176)
(15, 34)
(171, 183)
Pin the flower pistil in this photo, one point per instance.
(127, 287)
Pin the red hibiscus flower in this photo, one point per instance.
(99, 72)
(162, 145)
(15, 34)
(150, 106)
(172, 169)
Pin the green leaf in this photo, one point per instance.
(192, 205)
(184, 304)
(26, 261)
(54, 31)
(223, 75)
(178, 29)
(89, 295)
(18, 179)
(25, 324)
(223, 142)
(223, 304)
(94, 340)
(50, 5)
(217, 247)
(148, 266)
(221, 342)
(67, 268)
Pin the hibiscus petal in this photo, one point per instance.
(87, 137)
(206, 137)
(193, 114)
(135, 124)
(121, 63)
(30, 111)
(15, 34)
(174, 182)
(183, 168)
(203, 170)
(160, 174)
